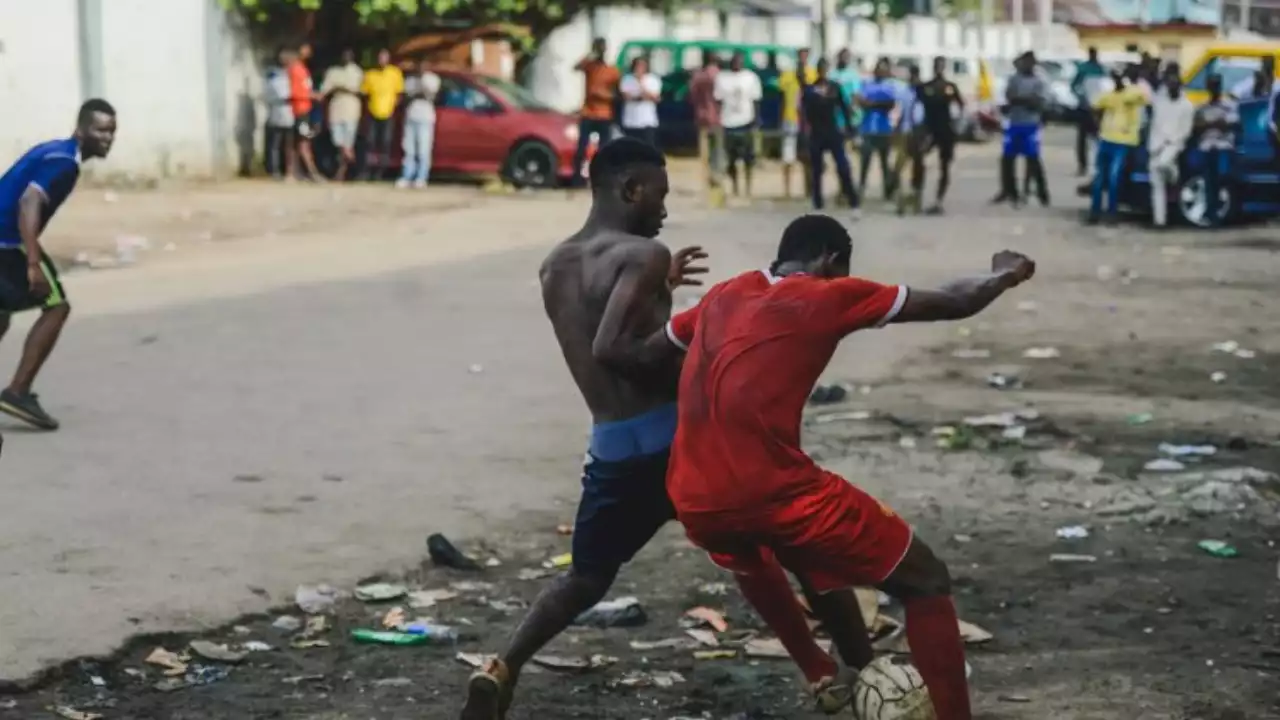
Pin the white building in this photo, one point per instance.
(181, 80)
(794, 23)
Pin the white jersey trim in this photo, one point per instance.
(898, 302)
(671, 335)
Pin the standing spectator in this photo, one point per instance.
(419, 126)
(1024, 96)
(1217, 120)
(31, 191)
(791, 84)
(706, 115)
(383, 86)
(1118, 134)
(302, 97)
(878, 98)
(942, 104)
(910, 136)
(822, 101)
(641, 91)
(738, 91)
(1260, 84)
(1089, 74)
(848, 78)
(596, 117)
(341, 86)
(278, 136)
(1172, 115)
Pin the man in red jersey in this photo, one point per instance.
(749, 495)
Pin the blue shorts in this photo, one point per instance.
(624, 490)
(1022, 140)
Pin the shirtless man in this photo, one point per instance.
(606, 289)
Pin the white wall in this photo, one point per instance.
(174, 70)
(39, 73)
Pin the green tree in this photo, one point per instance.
(538, 17)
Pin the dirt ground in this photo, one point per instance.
(1153, 627)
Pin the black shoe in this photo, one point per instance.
(1044, 199)
(934, 210)
(1092, 219)
(999, 199)
(27, 409)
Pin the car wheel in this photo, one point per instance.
(531, 164)
(1193, 206)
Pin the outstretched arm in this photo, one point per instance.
(968, 296)
(647, 277)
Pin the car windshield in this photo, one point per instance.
(513, 94)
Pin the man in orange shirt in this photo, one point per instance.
(301, 98)
(597, 105)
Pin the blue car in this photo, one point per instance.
(1250, 190)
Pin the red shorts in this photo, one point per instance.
(834, 537)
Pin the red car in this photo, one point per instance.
(488, 126)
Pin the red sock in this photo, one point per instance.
(771, 595)
(938, 653)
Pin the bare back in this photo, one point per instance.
(579, 278)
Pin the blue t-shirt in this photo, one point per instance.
(876, 121)
(52, 167)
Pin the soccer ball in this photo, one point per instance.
(891, 689)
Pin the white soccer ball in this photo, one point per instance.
(891, 689)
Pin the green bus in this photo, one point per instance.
(675, 61)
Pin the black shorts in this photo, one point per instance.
(15, 290)
(740, 144)
(945, 143)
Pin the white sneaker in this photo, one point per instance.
(419, 184)
(402, 184)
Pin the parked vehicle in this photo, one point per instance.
(1234, 62)
(488, 126)
(1249, 191)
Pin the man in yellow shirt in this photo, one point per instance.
(1119, 132)
(791, 84)
(383, 87)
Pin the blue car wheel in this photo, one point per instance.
(1192, 205)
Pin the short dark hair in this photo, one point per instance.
(617, 156)
(809, 237)
(91, 106)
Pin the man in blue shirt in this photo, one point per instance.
(30, 193)
(877, 98)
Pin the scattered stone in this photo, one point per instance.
(621, 612)
(218, 653)
(172, 663)
(393, 682)
(705, 615)
(381, 592)
(1041, 353)
(1072, 532)
(315, 599)
(971, 353)
(1163, 465)
(1072, 558)
(1072, 462)
(444, 554)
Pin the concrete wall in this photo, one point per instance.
(180, 76)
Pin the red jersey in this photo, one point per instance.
(300, 89)
(756, 345)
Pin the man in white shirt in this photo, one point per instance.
(641, 91)
(419, 126)
(342, 88)
(738, 91)
(1172, 116)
